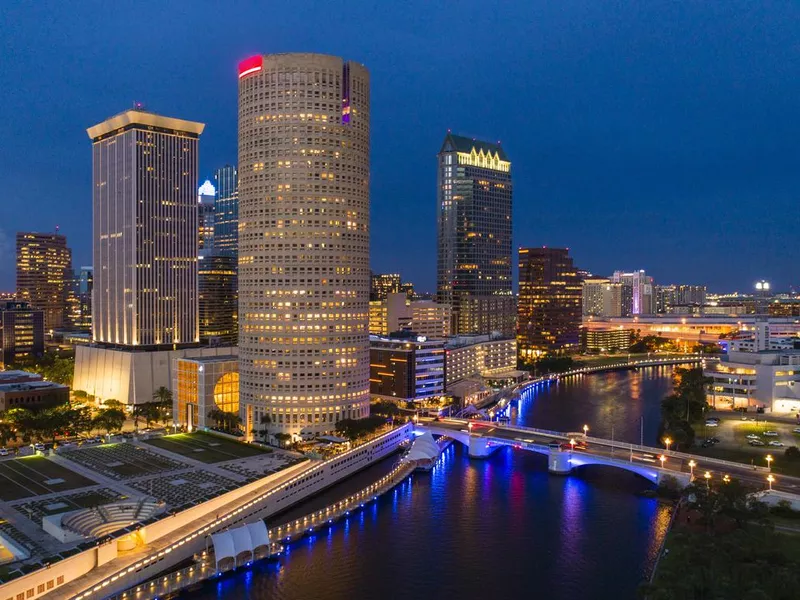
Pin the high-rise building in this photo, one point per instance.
(638, 296)
(44, 267)
(21, 331)
(206, 196)
(145, 230)
(384, 284)
(226, 212)
(549, 302)
(424, 317)
(474, 235)
(304, 278)
(407, 366)
(601, 298)
(216, 283)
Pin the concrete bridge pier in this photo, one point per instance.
(478, 447)
(558, 462)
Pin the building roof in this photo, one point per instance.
(460, 143)
(30, 386)
(18, 377)
(209, 359)
(142, 117)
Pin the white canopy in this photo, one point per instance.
(423, 448)
(232, 543)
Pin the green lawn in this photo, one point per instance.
(25, 477)
(206, 447)
(754, 562)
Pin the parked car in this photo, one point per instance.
(706, 444)
(39, 447)
(771, 433)
(712, 424)
(752, 436)
(4, 452)
(796, 430)
(715, 419)
(756, 443)
(714, 440)
(775, 443)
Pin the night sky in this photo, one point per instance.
(643, 134)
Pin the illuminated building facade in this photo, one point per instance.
(638, 293)
(605, 340)
(145, 230)
(396, 312)
(304, 277)
(480, 356)
(21, 332)
(474, 235)
(44, 268)
(550, 298)
(601, 297)
(384, 284)
(216, 284)
(206, 195)
(406, 367)
(226, 212)
(201, 385)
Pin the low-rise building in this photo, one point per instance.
(201, 385)
(406, 366)
(32, 394)
(613, 339)
(481, 356)
(21, 331)
(767, 378)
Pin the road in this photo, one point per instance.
(619, 450)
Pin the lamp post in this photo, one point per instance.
(663, 459)
(572, 443)
(708, 479)
(769, 462)
(585, 430)
(770, 479)
(667, 442)
(726, 478)
(692, 465)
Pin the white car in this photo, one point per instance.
(752, 436)
(39, 447)
(776, 443)
(4, 452)
(771, 433)
(796, 430)
(712, 424)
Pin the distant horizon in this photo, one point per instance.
(658, 135)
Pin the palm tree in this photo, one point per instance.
(162, 395)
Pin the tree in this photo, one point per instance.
(7, 433)
(385, 408)
(792, 454)
(162, 395)
(110, 419)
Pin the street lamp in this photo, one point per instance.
(770, 479)
(585, 430)
(667, 442)
(769, 462)
(470, 426)
(726, 478)
(663, 459)
(692, 465)
(572, 443)
(708, 478)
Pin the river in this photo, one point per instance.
(495, 528)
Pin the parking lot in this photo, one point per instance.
(34, 476)
(205, 447)
(750, 440)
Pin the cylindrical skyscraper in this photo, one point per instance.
(303, 242)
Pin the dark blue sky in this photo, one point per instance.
(644, 134)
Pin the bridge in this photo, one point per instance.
(481, 438)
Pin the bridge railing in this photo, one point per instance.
(560, 435)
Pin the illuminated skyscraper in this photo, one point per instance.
(474, 235)
(44, 269)
(384, 284)
(145, 230)
(303, 241)
(216, 282)
(206, 195)
(226, 212)
(550, 295)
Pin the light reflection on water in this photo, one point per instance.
(499, 527)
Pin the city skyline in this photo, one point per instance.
(613, 161)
